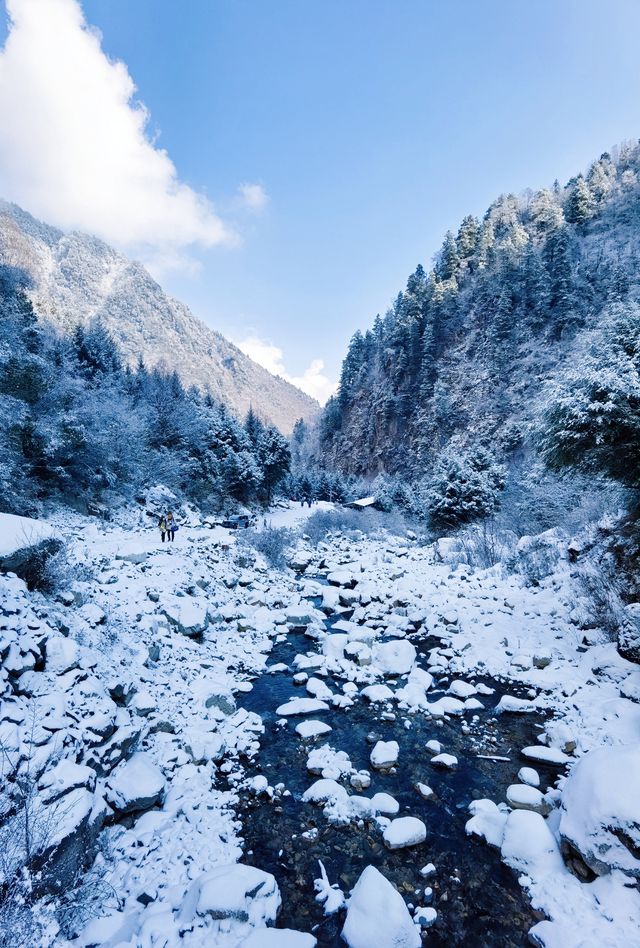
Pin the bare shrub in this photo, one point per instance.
(90, 895)
(537, 557)
(485, 544)
(273, 543)
(342, 520)
(42, 883)
(42, 564)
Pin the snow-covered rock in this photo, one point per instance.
(425, 916)
(529, 845)
(529, 776)
(461, 689)
(487, 821)
(445, 761)
(361, 780)
(187, 615)
(328, 762)
(385, 755)
(295, 706)
(309, 729)
(424, 790)
(20, 533)
(377, 693)
(377, 916)
(317, 688)
(384, 804)
(600, 810)
(521, 796)
(404, 831)
(278, 938)
(323, 791)
(630, 687)
(65, 776)
(394, 658)
(137, 785)
(545, 755)
(61, 655)
(238, 892)
(509, 704)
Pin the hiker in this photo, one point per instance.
(172, 526)
(162, 526)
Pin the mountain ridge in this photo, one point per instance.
(77, 278)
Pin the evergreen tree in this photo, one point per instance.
(579, 206)
(592, 417)
(468, 237)
(559, 265)
(448, 260)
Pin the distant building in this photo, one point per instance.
(363, 503)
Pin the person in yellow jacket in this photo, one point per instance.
(162, 527)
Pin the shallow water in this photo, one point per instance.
(478, 899)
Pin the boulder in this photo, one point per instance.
(377, 693)
(239, 892)
(445, 761)
(377, 916)
(61, 655)
(521, 796)
(133, 556)
(404, 831)
(64, 777)
(187, 615)
(385, 755)
(360, 781)
(64, 837)
(137, 785)
(297, 706)
(105, 757)
(310, 729)
(529, 846)
(395, 658)
(546, 755)
(385, 804)
(529, 776)
(203, 746)
(600, 812)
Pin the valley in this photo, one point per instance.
(164, 705)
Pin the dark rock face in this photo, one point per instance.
(29, 563)
(629, 635)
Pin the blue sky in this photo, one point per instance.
(372, 126)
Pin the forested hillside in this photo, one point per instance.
(78, 426)
(74, 279)
(523, 334)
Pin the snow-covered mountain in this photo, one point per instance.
(76, 278)
(466, 352)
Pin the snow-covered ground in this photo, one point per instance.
(122, 703)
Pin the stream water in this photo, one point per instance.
(478, 899)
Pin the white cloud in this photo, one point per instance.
(253, 196)
(75, 148)
(313, 381)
